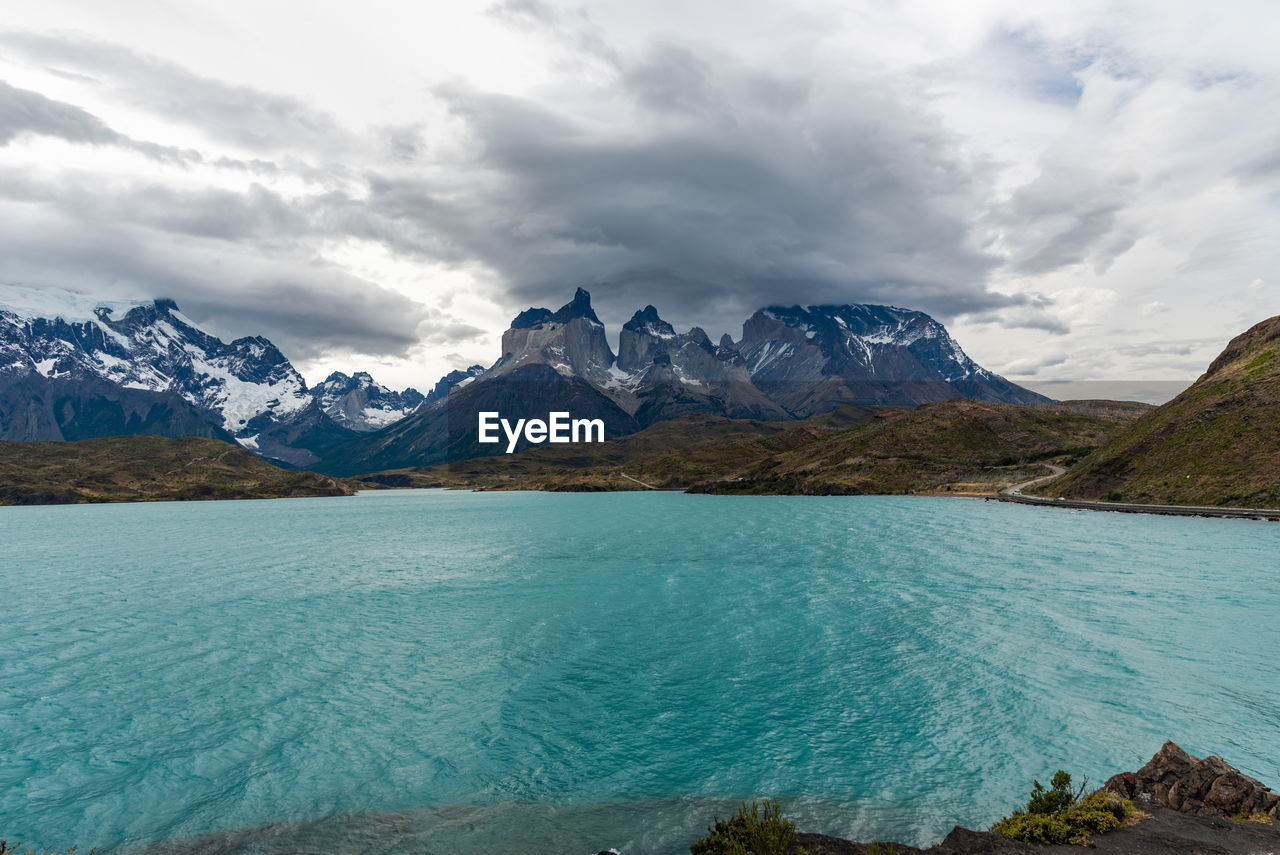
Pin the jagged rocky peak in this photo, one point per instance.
(647, 321)
(571, 340)
(726, 342)
(340, 381)
(647, 335)
(246, 387)
(643, 337)
(578, 307)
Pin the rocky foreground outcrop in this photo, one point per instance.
(1193, 806)
(1205, 787)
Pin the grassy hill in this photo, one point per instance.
(1217, 444)
(956, 446)
(146, 468)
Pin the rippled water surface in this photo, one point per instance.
(440, 672)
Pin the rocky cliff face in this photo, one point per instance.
(661, 374)
(571, 340)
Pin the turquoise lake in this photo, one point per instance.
(454, 672)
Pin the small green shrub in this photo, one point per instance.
(1059, 815)
(1054, 800)
(755, 830)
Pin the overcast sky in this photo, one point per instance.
(1080, 190)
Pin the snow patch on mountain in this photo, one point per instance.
(360, 403)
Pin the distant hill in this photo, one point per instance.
(957, 446)
(1216, 444)
(145, 469)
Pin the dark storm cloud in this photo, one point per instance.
(758, 191)
(327, 311)
(256, 216)
(671, 79)
(241, 115)
(739, 189)
(689, 180)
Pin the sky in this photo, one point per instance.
(1086, 193)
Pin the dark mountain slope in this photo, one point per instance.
(35, 408)
(447, 430)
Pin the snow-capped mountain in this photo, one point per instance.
(61, 346)
(813, 359)
(360, 403)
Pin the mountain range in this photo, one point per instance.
(790, 363)
(71, 371)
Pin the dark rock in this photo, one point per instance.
(961, 841)
(396, 479)
(1204, 787)
(964, 841)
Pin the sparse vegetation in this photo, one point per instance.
(757, 829)
(1060, 814)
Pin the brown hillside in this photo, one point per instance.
(144, 469)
